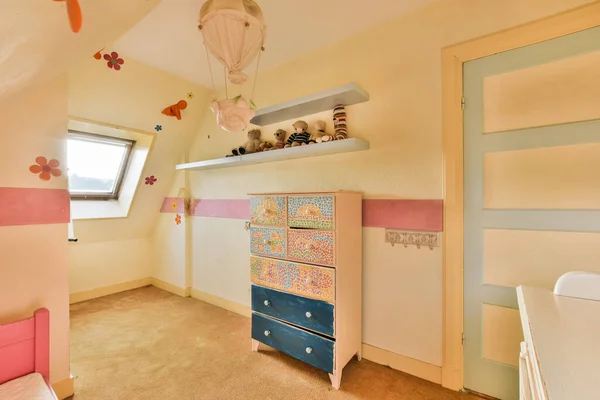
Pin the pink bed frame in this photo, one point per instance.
(25, 347)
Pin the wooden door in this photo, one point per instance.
(531, 190)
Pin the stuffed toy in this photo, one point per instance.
(300, 137)
(339, 122)
(252, 145)
(175, 109)
(265, 146)
(279, 139)
(317, 137)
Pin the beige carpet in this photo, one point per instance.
(150, 344)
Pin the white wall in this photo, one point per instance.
(100, 264)
(117, 250)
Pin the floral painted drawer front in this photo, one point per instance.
(305, 280)
(268, 210)
(268, 242)
(313, 247)
(314, 212)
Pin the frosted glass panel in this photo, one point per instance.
(537, 258)
(555, 93)
(502, 334)
(564, 177)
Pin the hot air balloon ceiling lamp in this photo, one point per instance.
(234, 33)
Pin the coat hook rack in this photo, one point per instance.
(410, 238)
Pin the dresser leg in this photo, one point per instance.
(255, 344)
(336, 379)
(359, 355)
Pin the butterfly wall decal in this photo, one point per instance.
(74, 13)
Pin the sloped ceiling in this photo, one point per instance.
(168, 38)
(36, 42)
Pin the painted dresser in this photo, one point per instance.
(306, 270)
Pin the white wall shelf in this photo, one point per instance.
(312, 150)
(326, 100)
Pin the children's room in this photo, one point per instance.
(261, 199)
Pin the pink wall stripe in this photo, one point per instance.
(172, 205)
(238, 208)
(28, 206)
(420, 215)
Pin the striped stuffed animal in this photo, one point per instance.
(339, 124)
(300, 137)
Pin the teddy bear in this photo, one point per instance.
(279, 139)
(317, 137)
(300, 137)
(252, 145)
(265, 146)
(339, 124)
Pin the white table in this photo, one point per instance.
(560, 358)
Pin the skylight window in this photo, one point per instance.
(97, 165)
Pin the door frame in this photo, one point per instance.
(453, 58)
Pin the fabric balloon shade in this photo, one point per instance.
(234, 33)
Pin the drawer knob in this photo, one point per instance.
(308, 246)
(267, 333)
(266, 241)
(309, 350)
(308, 314)
(267, 303)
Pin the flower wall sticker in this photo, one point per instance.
(45, 168)
(151, 180)
(114, 61)
(158, 128)
(190, 95)
(178, 219)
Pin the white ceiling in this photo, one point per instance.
(36, 42)
(168, 38)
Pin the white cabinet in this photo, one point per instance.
(560, 357)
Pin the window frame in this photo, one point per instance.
(124, 166)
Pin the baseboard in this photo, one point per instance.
(64, 388)
(168, 287)
(223, 303)
(412, 366)
(106, 290)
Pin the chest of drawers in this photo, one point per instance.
(306, 271)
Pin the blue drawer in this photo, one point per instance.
(311, 314)
(305, 346)
(270, 242)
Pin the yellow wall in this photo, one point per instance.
(398, 63)
(33, 266)
(112, 251)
